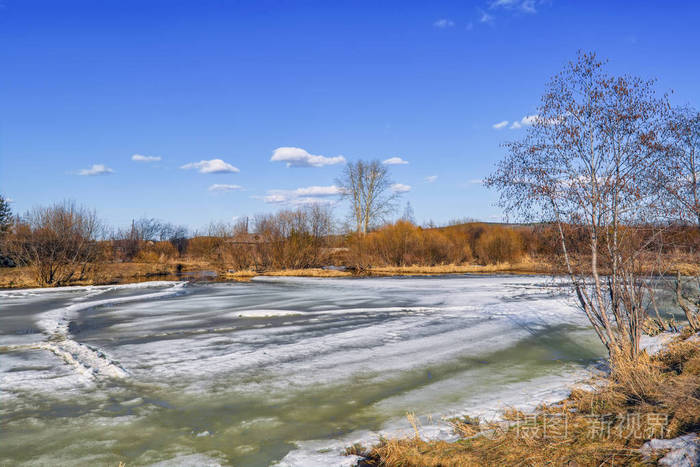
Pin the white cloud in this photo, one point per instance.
(140, 158)
(503, 3)
(301, 196)
(213, 166)
(529, 119)
(96, 169)
(318, 191)
(223, 187)
(400, 188)
(310, 200)
(444, 23)
(395, 161)
(431, 178)
(275, 198)
(297, 157)
(526, 6)
(476, 181)
(486, 18)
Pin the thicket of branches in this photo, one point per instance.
(289, 239)
(60, 242)
(591, 165)
(405, 244)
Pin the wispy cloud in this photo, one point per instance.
(395, 161)
(213, 166)
(486, 18)
(298, 157)
(331, 190)
(301, 196)
(431, 178)
(500, 125)
(443, 23)
(475, 181)
(273, 198)
(400, 188)
(96, 169)
(224, 187)
(282, 199)
(527, 120)
(141, 158)
(525, 6)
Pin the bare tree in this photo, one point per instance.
(682, 179)
(682, 184)
(367, 186)
(589, 165)
(293, 238)
(59, 242)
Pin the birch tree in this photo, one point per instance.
(589, 165)
(367, 186)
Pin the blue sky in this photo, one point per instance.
(86, 85)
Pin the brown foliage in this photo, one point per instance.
(59, 242)
(499, 245)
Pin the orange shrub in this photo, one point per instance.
(499, 245)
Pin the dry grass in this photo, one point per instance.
(17, 278)
(655, 397)
(106, 273)
(311, 272)
(686, 269)
(522, 267)
(527, 266)
(247, 274)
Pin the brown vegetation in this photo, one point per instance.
(59, 243)
(285, 244)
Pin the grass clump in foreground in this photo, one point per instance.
(656, 397)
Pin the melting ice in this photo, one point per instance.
(285, 371)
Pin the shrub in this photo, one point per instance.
(59, 242)
(499, 245)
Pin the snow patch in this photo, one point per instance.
(85, 359)
(684, 451)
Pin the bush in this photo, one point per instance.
(404, 244)
(157, 252)
(499, 245)
(59, 242)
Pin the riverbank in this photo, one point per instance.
(109, 273)
(122, 273)
(612, 422)
(119, 273)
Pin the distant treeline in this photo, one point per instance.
(65, 242)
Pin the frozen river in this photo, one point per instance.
(284, 371)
